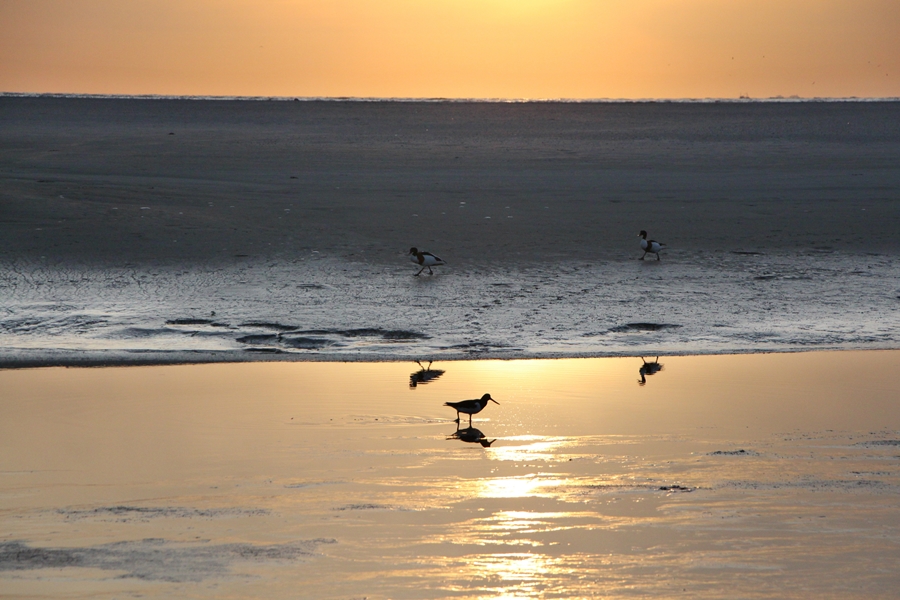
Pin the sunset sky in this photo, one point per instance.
(453, 48)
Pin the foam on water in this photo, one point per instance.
(323, 309)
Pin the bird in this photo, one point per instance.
(470, 407)
(426, 259)
(649, 246)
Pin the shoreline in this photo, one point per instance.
(98, 360)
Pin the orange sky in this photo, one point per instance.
(453, 48)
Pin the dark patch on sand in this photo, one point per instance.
(365, 507)
(632, 327)
(817, 485)
(190, 321)
(879, 443)
(305, 343)
(747, 253)
(675, 488)
(740, 452)
(143, 513)
(476, 347)
(272, 326)
(153, 559)
(260, 338)
(387, 334)
(316, 339)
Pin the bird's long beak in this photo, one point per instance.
(494, 401)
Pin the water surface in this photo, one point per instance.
(772, 474)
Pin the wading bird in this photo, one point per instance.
(470, 407)
(649, 246)
(426, 259)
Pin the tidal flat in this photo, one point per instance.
(753, 476)
(196, 230)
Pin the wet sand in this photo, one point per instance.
(151, 182)
(769, 475)
(174, 231)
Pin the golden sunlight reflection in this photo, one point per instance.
(517, 487)
(517, 575)
(535, 448)
(524, 522)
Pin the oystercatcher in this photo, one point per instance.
(426, 259)
(649, 246)
(470, 407)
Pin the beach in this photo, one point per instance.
(220, 376)
(178, 230)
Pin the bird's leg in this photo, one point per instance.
(420, 272)
(470, 420)
(657, 256)
(457, 418)
(642, 257)
(430, 272)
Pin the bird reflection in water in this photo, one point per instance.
(472, 436)
(423, 375)
(649, 368)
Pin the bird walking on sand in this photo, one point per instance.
(426, 259)
(470, 407)
(649, 246)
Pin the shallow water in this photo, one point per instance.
(317, 308)
(771, 475)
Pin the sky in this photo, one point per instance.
(514, 49)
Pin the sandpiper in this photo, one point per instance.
(649, 246)
(426, 259)
(470, 407)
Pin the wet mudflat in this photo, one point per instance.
(177, 230)
(768, 475)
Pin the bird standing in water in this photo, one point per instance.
(649, 246)
(470, 407)
(426, 259)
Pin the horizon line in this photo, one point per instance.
(438, 99)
